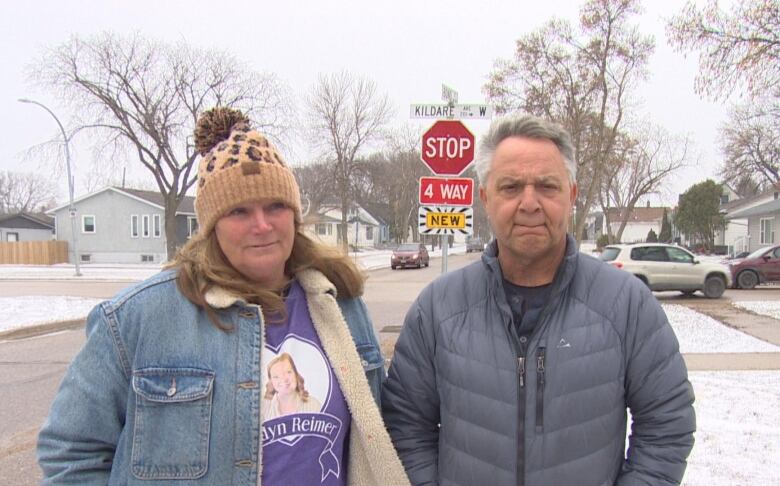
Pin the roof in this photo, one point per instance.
(766, 208)
(153, 198)
(37, 218)
(639, 214)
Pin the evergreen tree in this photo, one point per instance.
(698, 215)
(651, 237)
(666, 229)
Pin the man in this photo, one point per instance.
(517, 370)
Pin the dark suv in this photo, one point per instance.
(763, 265)
(410, 255)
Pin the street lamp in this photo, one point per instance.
(71, 209)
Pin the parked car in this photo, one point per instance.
(410, 255)
(761, 266)
(475, 244)
(669, 267)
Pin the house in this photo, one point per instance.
(363, 229)
(120, 225)
(758, 217)
(640, 221)
(26, 227)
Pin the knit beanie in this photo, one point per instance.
(237, 165)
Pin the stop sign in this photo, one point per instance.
(447, 147)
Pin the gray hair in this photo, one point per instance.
(523, 126)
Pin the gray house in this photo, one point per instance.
(119, 225)
(26, 227)
(762, 220)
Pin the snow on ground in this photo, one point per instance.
(770, 309)
(738, 429)
(699, 333)
(32, 310)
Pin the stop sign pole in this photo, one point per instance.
(447, 149)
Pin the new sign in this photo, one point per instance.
(447, 147)
(434, 220)
(446, 191)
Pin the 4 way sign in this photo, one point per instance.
(456, 191)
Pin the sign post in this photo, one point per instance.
(447, 149)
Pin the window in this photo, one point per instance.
(11, 236)
(134, 226)
(88, 223)
(767, 231)
(145, 226)
(369, 232)
(679, 256)
(649, 254)
(147, 258)
(86, 257)
(323, 229)
(156, 225)
(192, 226)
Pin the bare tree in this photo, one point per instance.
(737, 49)
(641, 165)
(581, 80)
(145, 97)
(346, 113)
(25, 192)
(751, 143)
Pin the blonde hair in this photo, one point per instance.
(270, 391)
(202, 265)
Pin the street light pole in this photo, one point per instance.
(71, 209)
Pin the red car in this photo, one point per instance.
(410, 255)
(761, 266)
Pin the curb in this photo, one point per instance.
(39, 329)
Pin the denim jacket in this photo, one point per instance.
(159, 395)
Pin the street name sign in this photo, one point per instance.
(443, 191)
(445, 220)
(443, 110)
(447, 147)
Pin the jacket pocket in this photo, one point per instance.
(172, 422)
(370, 357)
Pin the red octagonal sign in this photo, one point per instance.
(447, 147)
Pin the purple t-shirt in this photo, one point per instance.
(304, 416)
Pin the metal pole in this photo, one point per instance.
(71, 209)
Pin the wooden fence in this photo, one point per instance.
(33, 252)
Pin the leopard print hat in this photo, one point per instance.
(238, 165)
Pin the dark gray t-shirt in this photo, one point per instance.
(526, 304)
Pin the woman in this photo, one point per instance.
(169, 383)
(286, 392)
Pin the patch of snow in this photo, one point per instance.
(698, 333)
(769, 309)
(33, 310)
(738, 429)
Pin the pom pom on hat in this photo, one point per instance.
(238, 165)
(214, 126)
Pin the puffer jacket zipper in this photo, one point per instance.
(540, 390)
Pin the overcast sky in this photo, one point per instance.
(409, 48)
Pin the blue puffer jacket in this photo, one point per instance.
(464, 409)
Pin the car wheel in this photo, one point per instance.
(714, 287)
(747, 279)
(643, 279)
(392, 267)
